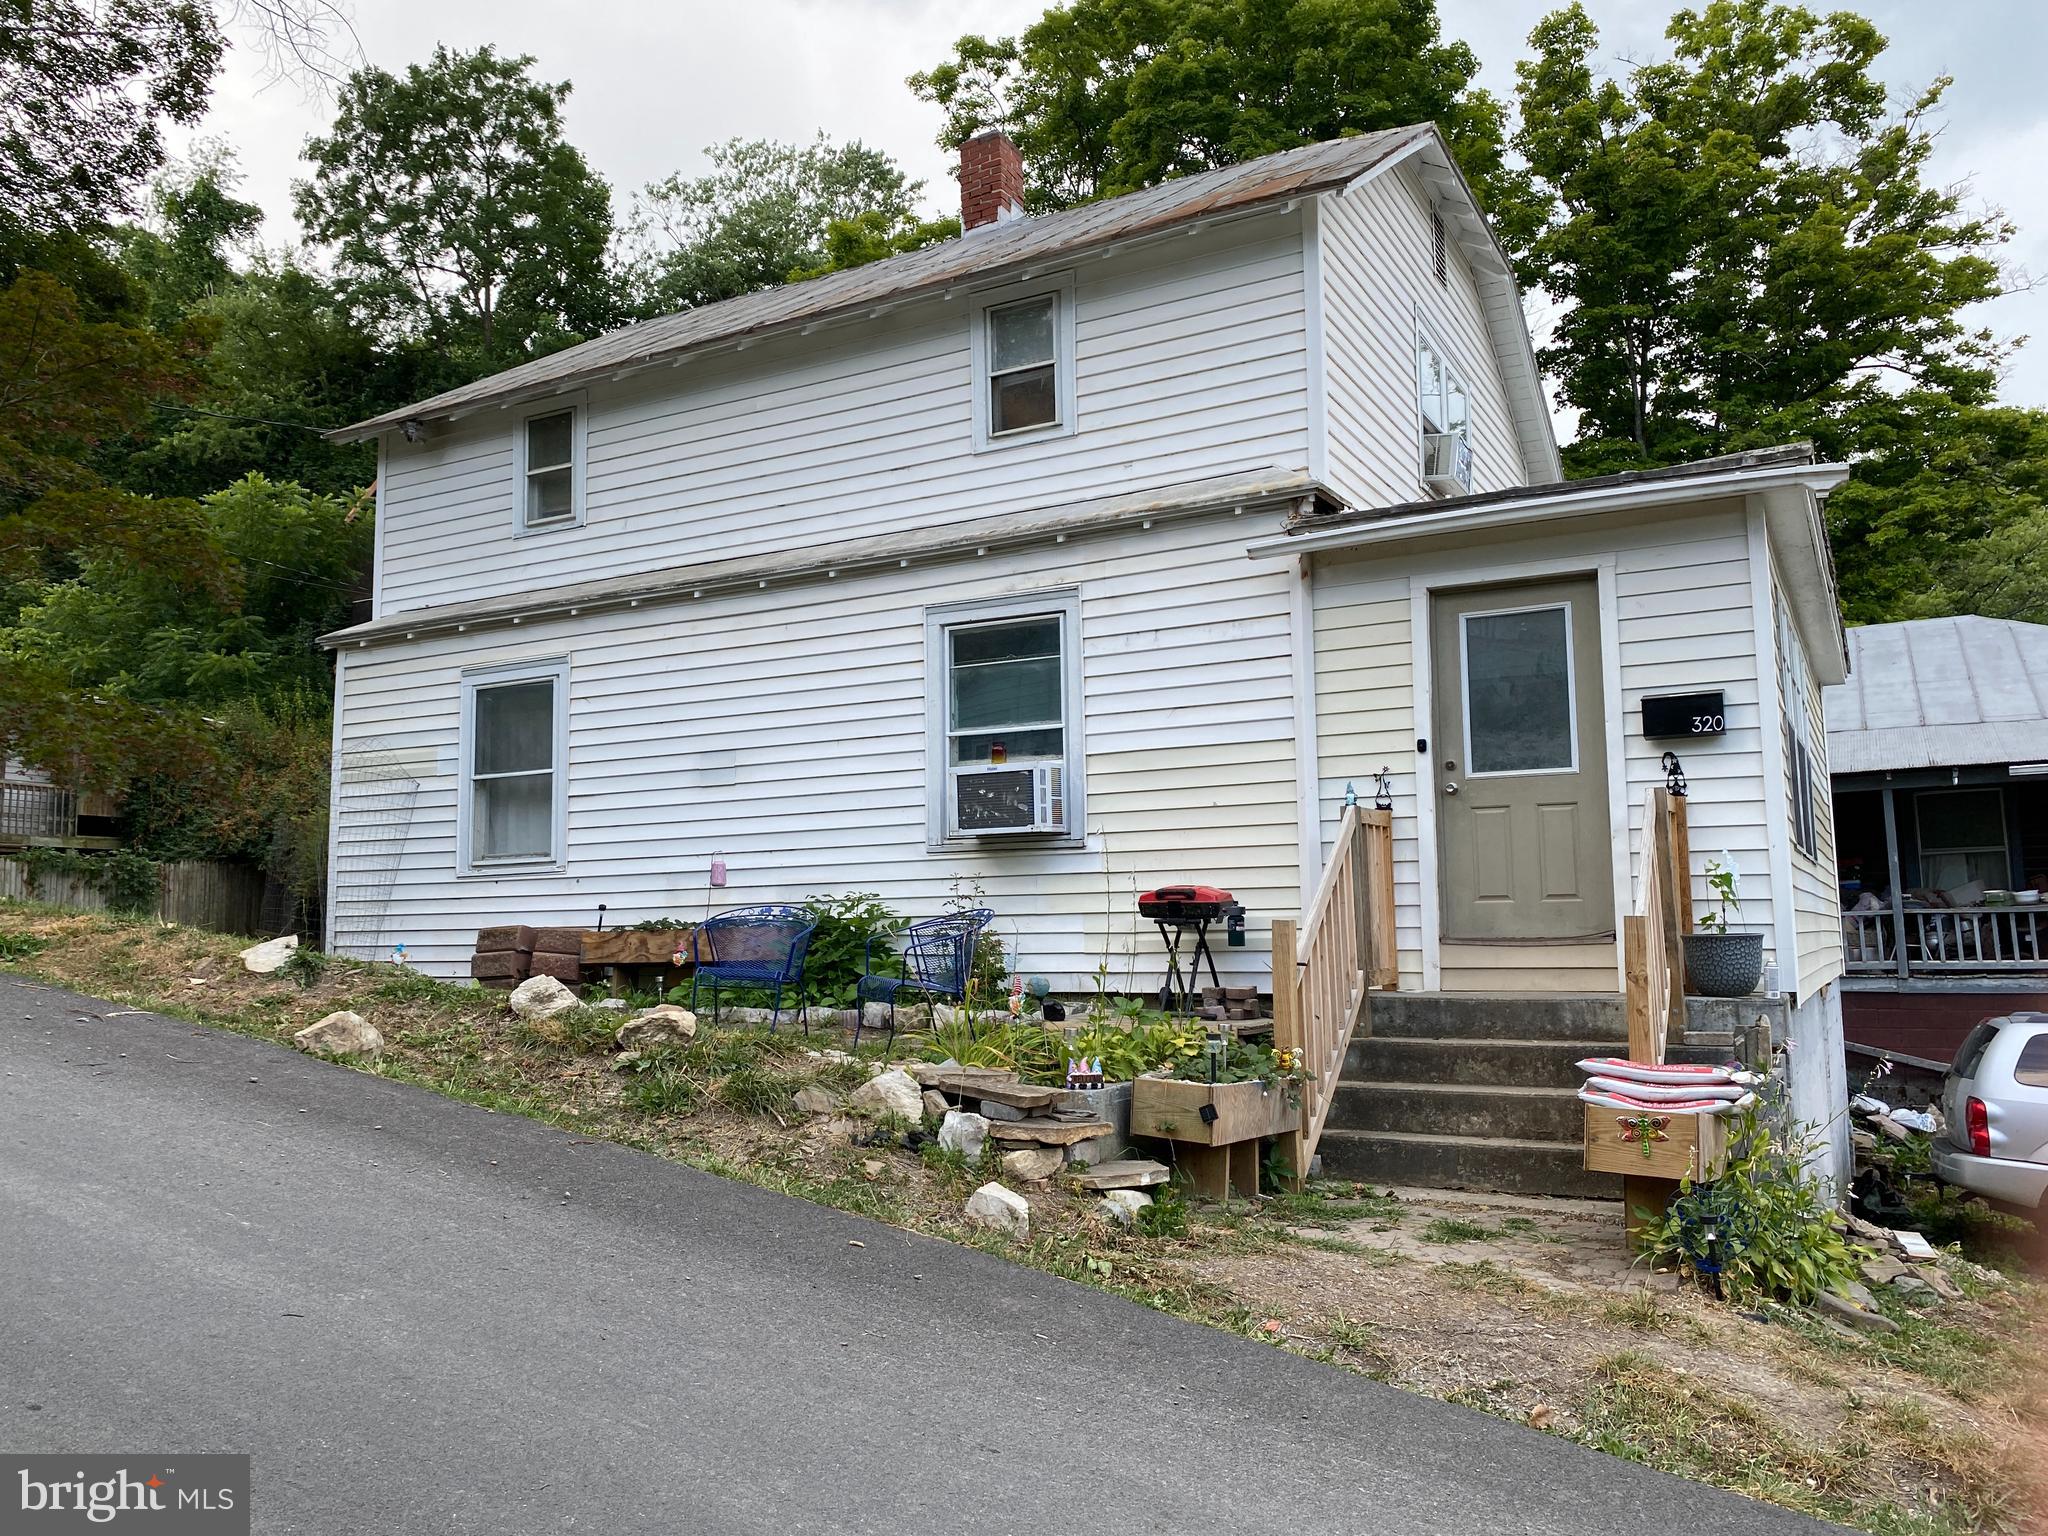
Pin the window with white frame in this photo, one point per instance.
(1005, 692)
(1024, 365)
(1446, 411)
(514, 743)
(550, 487)
(1802, 780)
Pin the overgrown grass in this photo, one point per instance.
(1449, 1229)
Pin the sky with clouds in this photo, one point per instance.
(655, 83)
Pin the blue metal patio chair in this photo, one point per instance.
(756, 946)
(938, 959)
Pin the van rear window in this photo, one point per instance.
(2032, 1067)
(1978, 1041)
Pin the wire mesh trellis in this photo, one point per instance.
(376, 795)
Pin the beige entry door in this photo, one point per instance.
(1521, 763)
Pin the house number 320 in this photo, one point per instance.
(1706, 725)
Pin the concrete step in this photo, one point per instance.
(1506, 1164)
(1499, 1015)
(1457, 1109)
(1513, 1063)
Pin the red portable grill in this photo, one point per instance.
(1179, 909)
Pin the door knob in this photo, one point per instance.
(1450, 789)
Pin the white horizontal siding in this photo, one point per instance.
(1683, 615)
(1816, 886)
(785, 730)
(1378, 280)
(1189, 362)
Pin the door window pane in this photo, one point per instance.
(1518, 691)
(515, 817)
(515, 728)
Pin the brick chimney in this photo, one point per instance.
(991, 179)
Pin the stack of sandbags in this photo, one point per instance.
(1675, 1088)
(558, 952)
(504, 956)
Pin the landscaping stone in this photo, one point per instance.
(340, 1034)
(1000, 1210)
(1122, 1205)
(1882, 1271)
(935, 1102)
(926, 1071)
(1133, 1173)
(541, 997)
(262, 959)
(1829, 1305)
(1052, 1133)
(892, 1093)
(814, 1100)
(995, 1111)
(1939, 1283)
(663, 1024)
(963, 1133)
(1033, 1165)
(1099, 1149)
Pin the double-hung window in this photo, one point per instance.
(1004, 726)
(1803, 786)
(1024, 364)
(550, 480)
(514, 743)
(1446, 411)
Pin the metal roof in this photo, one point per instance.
(1939, 693)
(981, 253)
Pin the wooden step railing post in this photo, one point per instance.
(1287, 1036)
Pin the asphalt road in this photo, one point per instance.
(421, 1316)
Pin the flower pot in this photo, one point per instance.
(1723, 964)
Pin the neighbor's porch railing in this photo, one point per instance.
(37, 810)
(1947, 940)
(1324, 965)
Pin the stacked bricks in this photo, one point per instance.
(558, 952)
(991, 179)
(504, 956)
(1224, 1004)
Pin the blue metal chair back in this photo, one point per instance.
(938, 954)
(763, 944)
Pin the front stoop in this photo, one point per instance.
(1472, 1091)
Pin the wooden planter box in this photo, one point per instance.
(629, 946)
(1677, 1147)
(1223, 1153)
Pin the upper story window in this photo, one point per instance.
(1024, 364)
(550, 455)
(1804, 782)
(1446, 411)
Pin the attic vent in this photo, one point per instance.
(1439, 254)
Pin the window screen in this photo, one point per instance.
(512, 771)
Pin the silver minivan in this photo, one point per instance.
(1995, 1101)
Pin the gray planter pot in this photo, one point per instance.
(1723, 964)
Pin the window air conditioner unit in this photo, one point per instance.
(1447, 463)
(998, 801)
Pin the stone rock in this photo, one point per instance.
(814, 1100)
(340, 1034)
(1033, 1165)
(840, 1132)
(617, 1004)
(264, 958)
(1940, 1284)
(1000, 1210)
(892, 1093)
(541, 997)
(1122, 1205)
(935, 1102)
(1882, 1271)
(925, 1071)
(994, 1111)
(963, 1133)
(1829, 1305)
(663, 1024)
(828, 1054)
(1134, 1173)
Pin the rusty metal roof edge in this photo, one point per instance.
(1257, 490)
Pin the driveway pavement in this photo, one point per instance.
(421, 1316)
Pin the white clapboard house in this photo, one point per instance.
(1081, 554)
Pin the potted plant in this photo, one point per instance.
(1721, 960)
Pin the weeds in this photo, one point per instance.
(1449, 1229)
(752, 1090)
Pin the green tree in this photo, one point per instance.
(764, 211)
(876, 236)
(184, 254)
(85, 90)
(1105, 96)
(457, 211)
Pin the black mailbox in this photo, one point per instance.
(1684, 714)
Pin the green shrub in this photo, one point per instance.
(306, 966)
(846, 924)
(19, 946)
(1166, 1216)
(130, 882)
(1764, 1222)
(663, 1090)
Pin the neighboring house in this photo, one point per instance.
(1938, 744)
(1081, 554)
(36, 811)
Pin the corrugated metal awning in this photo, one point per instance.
(1940, 693)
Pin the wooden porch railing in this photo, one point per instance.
(1324, 966)
(1654, 971)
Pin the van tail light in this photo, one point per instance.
(1978, 1124)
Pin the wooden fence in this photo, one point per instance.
(1324, 966)
(227, 898)
(1654, 977)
